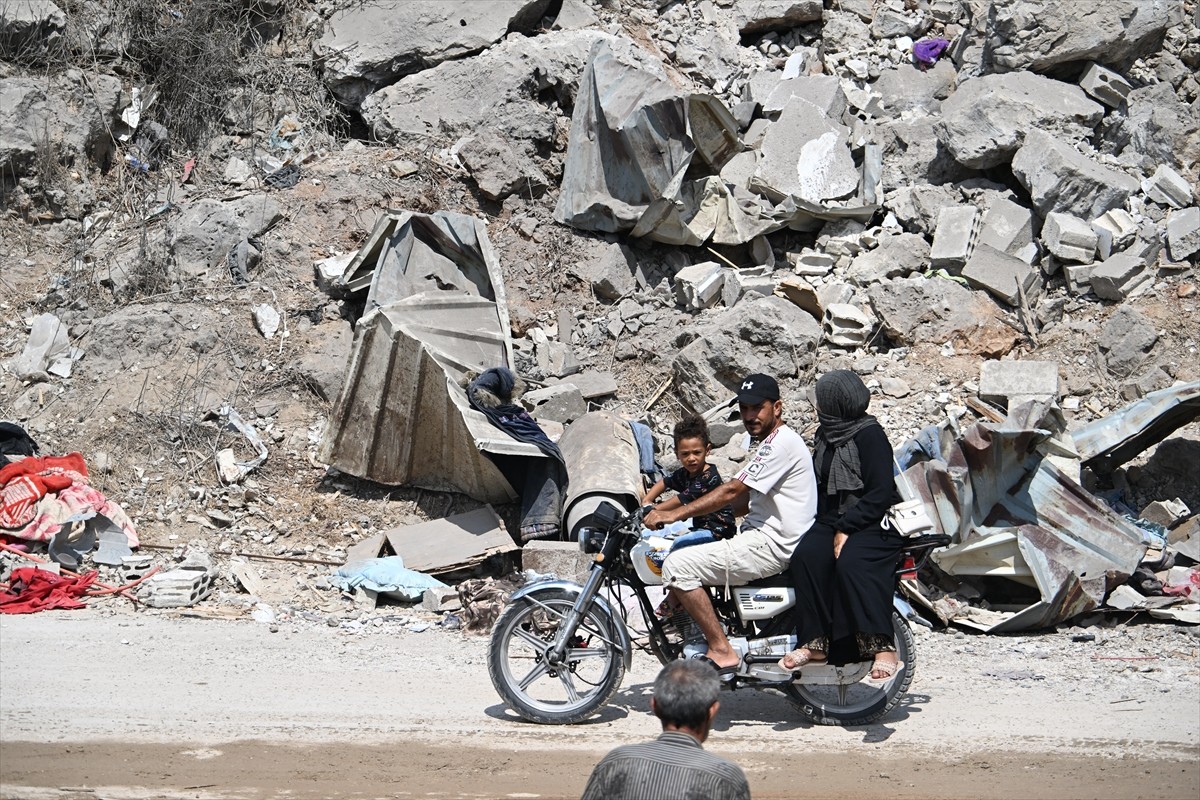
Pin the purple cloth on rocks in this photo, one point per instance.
(927, 51)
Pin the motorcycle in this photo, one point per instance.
(559, 651)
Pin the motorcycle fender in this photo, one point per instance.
(901, 605)
(605, 606)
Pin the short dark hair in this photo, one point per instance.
(684, 692)
(692, 426)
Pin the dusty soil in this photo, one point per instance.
(113, 706)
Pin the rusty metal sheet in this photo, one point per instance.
(1109, 442)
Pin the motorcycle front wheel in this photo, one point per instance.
(558, 694)
(863, 702)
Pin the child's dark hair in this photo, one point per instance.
(692, 426)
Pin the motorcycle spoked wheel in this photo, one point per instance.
(561, 694)
(860, 703)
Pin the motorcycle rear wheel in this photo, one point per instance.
(860, 703)
(561, 694)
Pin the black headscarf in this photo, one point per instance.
(842, 400)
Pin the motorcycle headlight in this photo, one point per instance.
(591, 540)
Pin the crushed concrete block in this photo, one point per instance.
(999, 273)
(739, 282)
(593, 384)
(1006, 226)
(802, 294)
(811, 263)
(1183, 233)
(440, 599)
(1007, 383)
(1120, 276)
(562, 402)
(1079, 277)
(328, 271)
(1165, 512)
(1060, 178)
(178, 588)
(1069, 238)
(1167, 187)
(564, 560)
(1114, 229)
(952, 237)
(1105, 85)
(846, 325)
(699, 286)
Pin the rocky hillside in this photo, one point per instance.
(677, 192)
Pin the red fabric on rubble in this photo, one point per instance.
(23, 483)
(31, 589)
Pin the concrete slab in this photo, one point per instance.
(1006, 226)
(953, 236)
(1002, 381)
(999, 274)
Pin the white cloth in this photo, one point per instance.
(783, 490)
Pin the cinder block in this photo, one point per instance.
(1079, 277)
(1114, 229)
(1105, 85)
(1007, 227)
(952, 237)
(1120, 276)
(1001, 381)
(846, 325)
(1167, 187)
(999, 273)
(1069, 238)
(700, 285)
(562, 559)
(1183, 233)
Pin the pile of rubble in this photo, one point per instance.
(630, 203)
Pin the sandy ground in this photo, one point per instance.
(97, 705)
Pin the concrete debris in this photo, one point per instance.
(1009, 383)
(48, 351)
(329, 271)
(1069, 238)
(593, 385)
(562, 402)
(1125, 341)
(1060, 178)
(203, 235)
(442, 599)
(499, 168)
(755, 17)
(563, 560)
(1121, 276)
(845, 325)
(961, 317)
(802, 294)
(896, 255)
(81, 113)
(1105, 85)
(266, 319)
(741, 282)
(1000, 274)
(1006, 227)
(229, 468)
(178, 588)
(1114, 230)
(699, 286)
(457, 542)
(1167, 187)
(954, 237)
(1183, 233)
(806, 155)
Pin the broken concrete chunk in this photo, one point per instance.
(896, 255)
(699, 286)
(953, 236)
(1060, 178)
(1120, 276)
(1125, 341)
(846, 325)
(759, 16)
(740, 282)
(1167, 187)
(48, 343)
(178, 588)
(1079, 277)
(1008, 383)
(1183, 233)
(1069, 238)
(1105, 85)
(802, 294)
(593, 385)
(440, 599)
(934, 310)
(1114, 229)
(823, 91)
(562, 402)
(806, 155)
(1165, 512)
(237, 171)
(1000, 274)
(1006, 226)
(811, 263)
(266, 319)
(499, 168)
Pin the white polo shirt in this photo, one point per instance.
(783, 490)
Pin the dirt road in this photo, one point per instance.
(119, 706)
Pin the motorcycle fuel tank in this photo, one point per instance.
(763, 602)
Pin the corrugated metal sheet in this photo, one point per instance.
(1109, 442)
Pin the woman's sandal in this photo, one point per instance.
(888, 668)
(798, 659)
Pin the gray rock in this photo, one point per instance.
(1167, 187)
(499, 169)
(1060, 178)
(202, 236)
(806, 155)
(906, 88)
(896, 256)
(1126, 340)
(711, 54)
(1183, 233)
(608, 268)
(912, 153)
(1006, 226)
(592, 384)
(66, 118)
(367, 46)
(1159, 128)
(1000, 274)
(843, 32)
(754, 17)
(31, 31)
(933, 311)
(986, 119)
(489, 91)
(324, 352)
(889, 23)
(1119, 276)
(573, 15)
(1033, 35)
(768, 334)
(917, 207)
(823, 91)
(562, 402)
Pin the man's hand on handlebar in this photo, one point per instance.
(657, 518)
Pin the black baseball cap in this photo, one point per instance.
(757, 388)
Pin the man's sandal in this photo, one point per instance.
(888, 668)
(796, 659)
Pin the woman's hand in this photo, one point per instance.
(839, 539)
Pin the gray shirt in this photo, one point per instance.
(672, 767)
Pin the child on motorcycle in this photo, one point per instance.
(695, 478)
